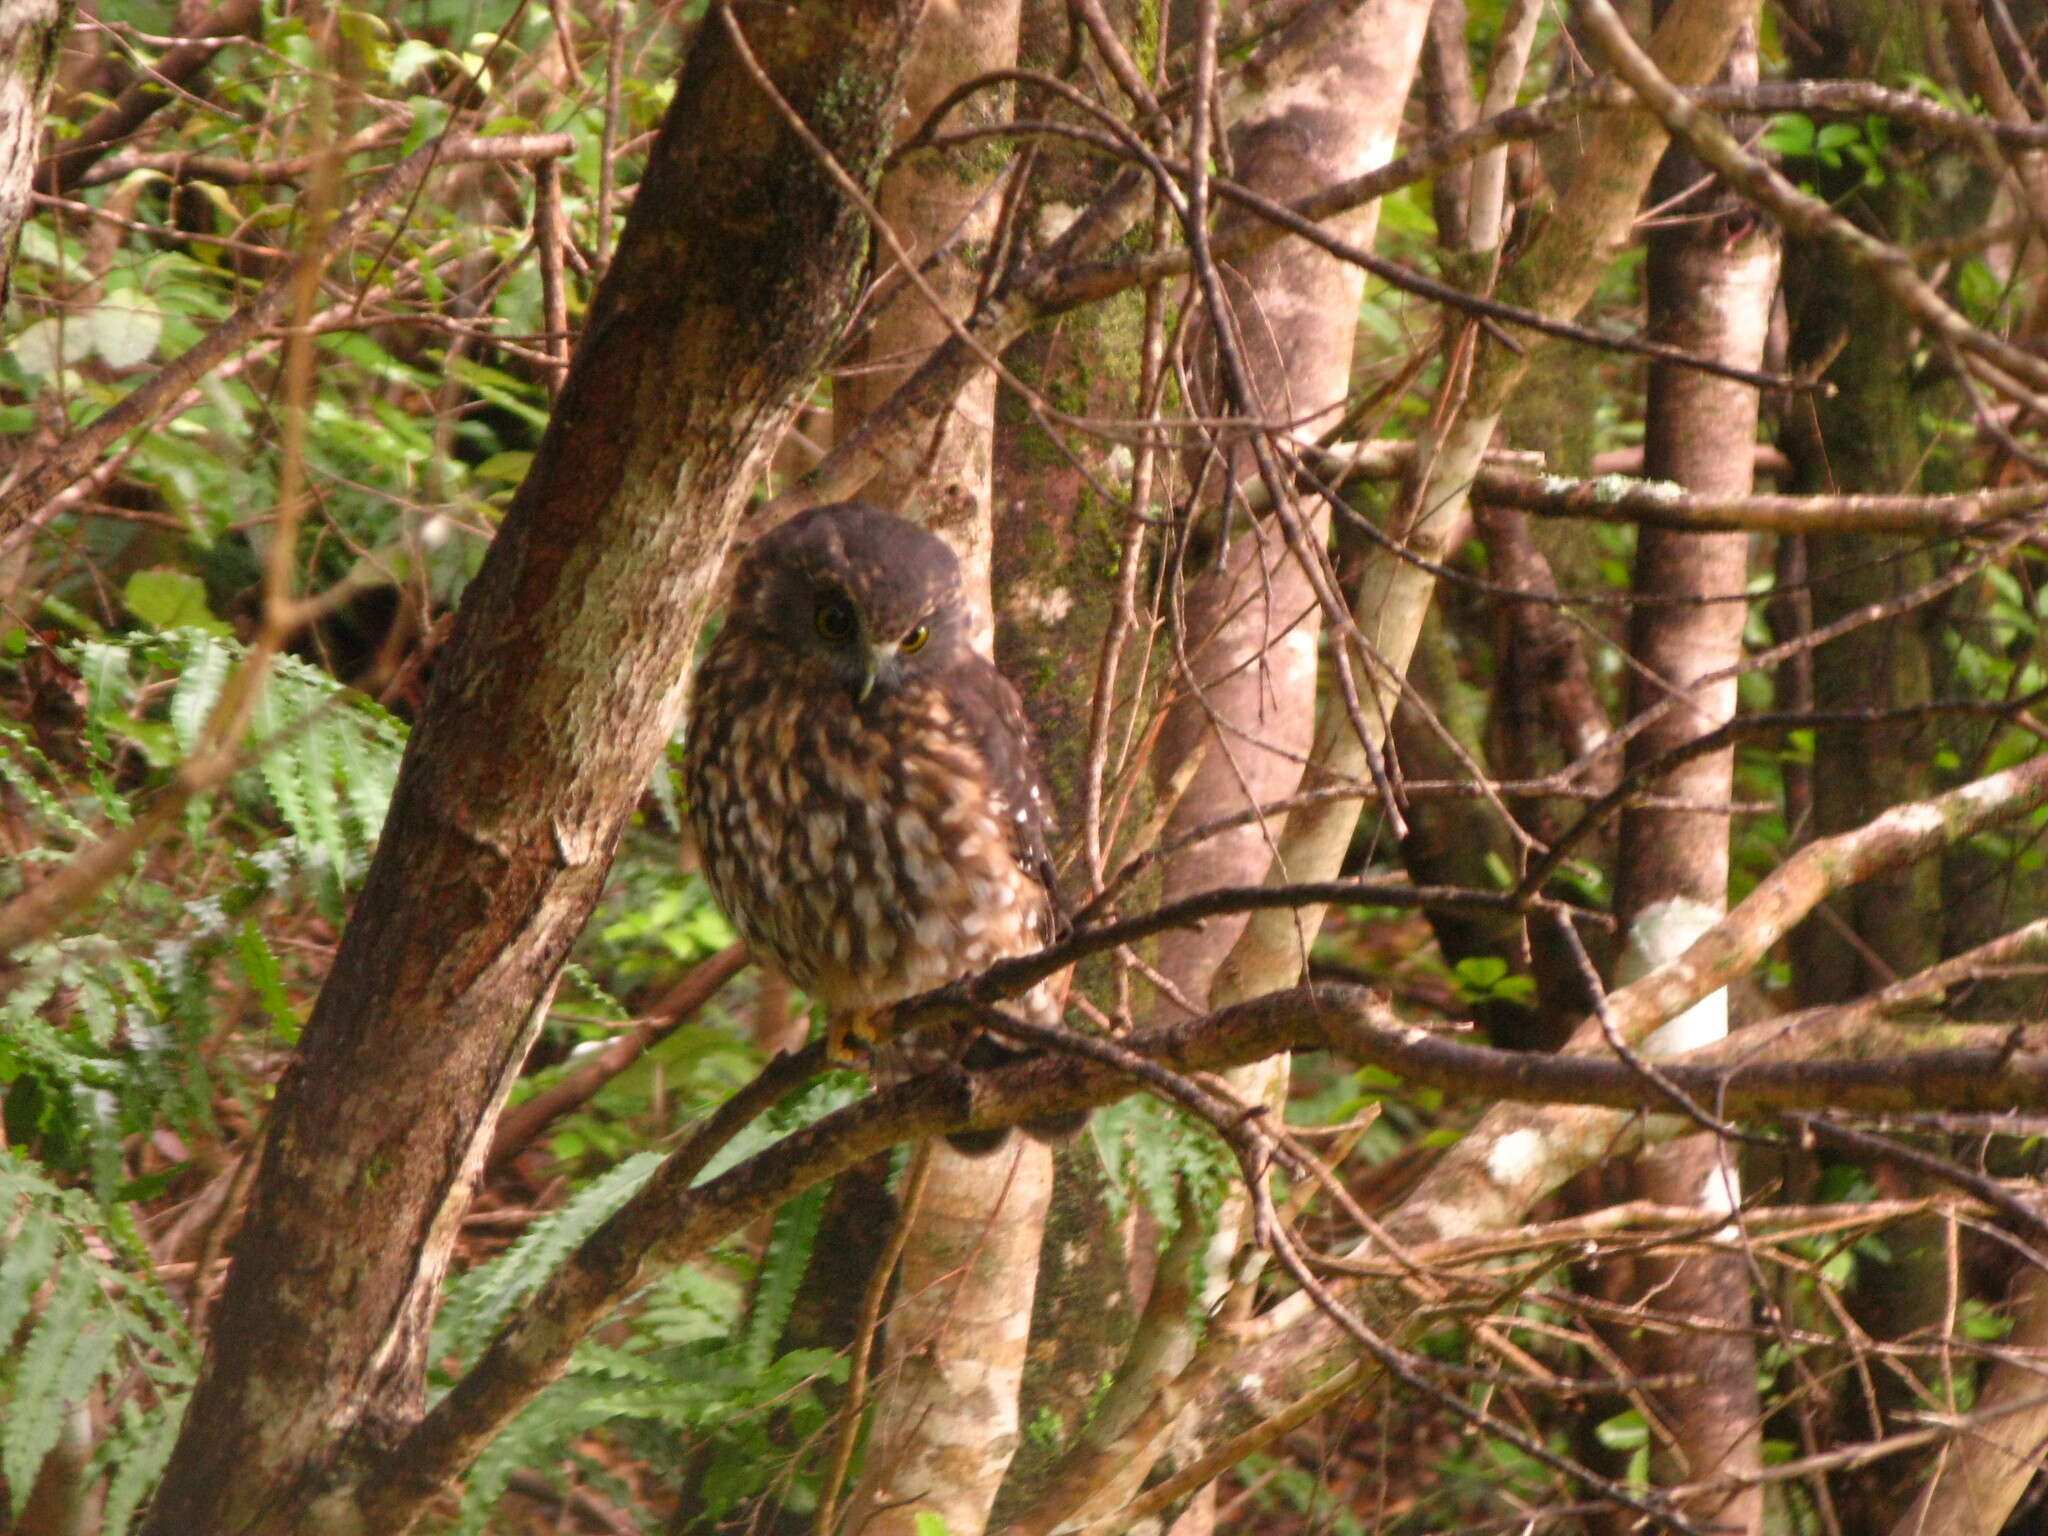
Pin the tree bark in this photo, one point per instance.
(30, 31)
(942, 207)
(556, 696)
(1252, 627)
(1867, 435)
(946, 1414)
(1712, 279)
(1556, 275)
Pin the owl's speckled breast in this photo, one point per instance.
(858, 849)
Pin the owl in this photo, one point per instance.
(864, 788)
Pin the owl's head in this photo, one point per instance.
(858, 596)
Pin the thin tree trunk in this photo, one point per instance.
(1712, 278)
(942, 202)
(946, 1416)
(1055, 529)
(1866, 436)
(1253, 625)
(556, 696)
(1556, 275)
(30, 31)
(946, 1423)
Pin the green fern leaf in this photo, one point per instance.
(317, 763)
(20, 760)
(201, 676)
(479, 1302)
(782, 1271)
(137, 1456)
(22, 1273)
(369, 770)
(35, 1411)
(276, 715)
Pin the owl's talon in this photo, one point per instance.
(851, 1038)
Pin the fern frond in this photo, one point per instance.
(35, 1408)
(478, 1303)
(136, 1456)
(200, 679)
(788, 1254)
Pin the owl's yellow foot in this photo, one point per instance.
(851, 1038)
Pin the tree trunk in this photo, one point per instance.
(1252, 626)
(953, 1352)
(1712, 278)
(30, 31)
(945, 202)
(1867, 436)
(556, 696)
(1556, 275)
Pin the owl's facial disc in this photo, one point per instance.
(852, 639)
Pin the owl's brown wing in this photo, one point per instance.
(992, 717)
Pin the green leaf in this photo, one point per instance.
(323, 801)
(125, 327)
(782, 1271)
(40, 246)
(409, 58)
(40, 350)
(29, 1255)
(260, 966)
(509, 466)
(483, 1298)
(1790, 136)
(35, 1413)
(170, 600)
(1623, 1432)
(198, 689)
(141, 1459)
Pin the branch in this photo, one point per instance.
(670, 1221)
(522, 1122)
(1801, 214)
(1663, 504)
(65, 167)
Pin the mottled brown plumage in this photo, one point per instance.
(863, 785)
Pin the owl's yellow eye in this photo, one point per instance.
(914, 641)
(833, 620)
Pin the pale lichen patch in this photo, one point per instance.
(1516, 1157)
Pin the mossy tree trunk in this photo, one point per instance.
(946, 1412)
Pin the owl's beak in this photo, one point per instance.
(879, 665)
